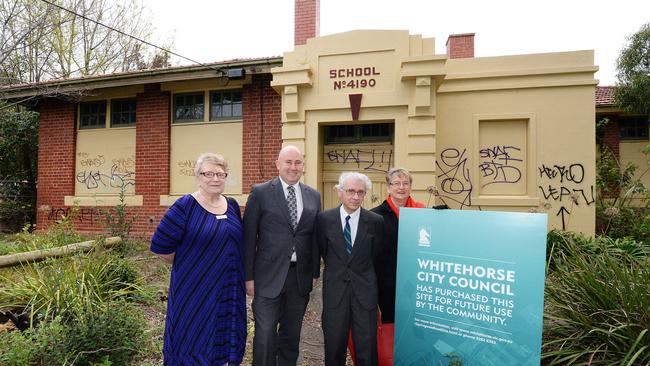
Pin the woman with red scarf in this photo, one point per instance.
(399, 195)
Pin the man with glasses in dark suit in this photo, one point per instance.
(349, 239)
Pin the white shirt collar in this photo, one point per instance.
(354, 215)
(285, 184)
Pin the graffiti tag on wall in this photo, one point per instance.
(500, 164)
(364, 159)
(82, 215)
(454, 177)
(186, 167)
(562, 184)
(98, 174)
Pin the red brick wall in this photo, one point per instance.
(56, 159)
(262, 130)
(611, 136)
(56, 164)
(307, 20)
(460, 45)
(262, 140)
(151, 155)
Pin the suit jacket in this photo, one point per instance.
(386, 263)
(269, 238)
(343, 269)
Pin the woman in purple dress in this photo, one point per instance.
(201, 234)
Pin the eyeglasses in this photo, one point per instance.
(211, 175)
(400, 184)
(352, 192)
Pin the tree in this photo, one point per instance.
(41, 41)
(18, 159)
(633, 66)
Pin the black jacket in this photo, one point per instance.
(386, 263)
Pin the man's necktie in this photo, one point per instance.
(293, 206)
(347, 235)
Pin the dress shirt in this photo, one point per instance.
(296, 188)
(354, 221)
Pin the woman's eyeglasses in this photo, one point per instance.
(211, 175)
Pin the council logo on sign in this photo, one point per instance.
(425, 236)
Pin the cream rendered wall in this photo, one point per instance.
(526, 120)
(314, 95)
(105, 157)
(105, 162)
(631, 152)
(188, 141)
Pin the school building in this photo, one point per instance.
(507, 133)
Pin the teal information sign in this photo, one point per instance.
(470, 288)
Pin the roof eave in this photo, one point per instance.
(62, 87)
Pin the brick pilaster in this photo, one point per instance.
(262, 132)
(151, 155)
(56, 158)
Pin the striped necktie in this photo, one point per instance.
(347, 235)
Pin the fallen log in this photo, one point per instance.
(37, 255)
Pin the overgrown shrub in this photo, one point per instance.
(116, 334)
(59, 234)
(112, 335)
(119, 222)
(71, 287)
(597, 307)
(622, 204)
(43, 345)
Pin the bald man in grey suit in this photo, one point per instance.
(281, 259)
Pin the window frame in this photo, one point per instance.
(358, 136)
(175, 119)
(113, 114)
(231, 105)
(101, 122)
(641, 128)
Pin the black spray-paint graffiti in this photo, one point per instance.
(498, 164)
(562, 187)
(93, 179)
(364, 159)
(454, 177)
(82, 215)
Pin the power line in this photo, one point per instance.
(131, 36)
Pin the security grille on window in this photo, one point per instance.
(92, 115)
(633, 128)
(225, 105)
(351, 134)
(123, 112)
(188, 107)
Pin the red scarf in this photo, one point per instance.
(410, 202)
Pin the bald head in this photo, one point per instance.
(290, 164)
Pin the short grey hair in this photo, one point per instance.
(353, 175)
(213, 158)
(398, 172)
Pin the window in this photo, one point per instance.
(225, 105)
(188, 107)
(92, 115)
(123, 112)
(349, 134)
(633, 128)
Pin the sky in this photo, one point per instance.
(215, 30)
